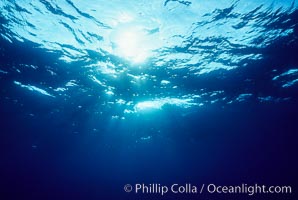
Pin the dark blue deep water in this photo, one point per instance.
(95, 95)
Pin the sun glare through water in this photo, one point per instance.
(132, 40)
(131, 45)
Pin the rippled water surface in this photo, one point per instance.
(105, 79)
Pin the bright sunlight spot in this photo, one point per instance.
(131, 45)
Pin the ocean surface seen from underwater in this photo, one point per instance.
(95, 95)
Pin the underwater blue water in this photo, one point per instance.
(98, 94)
